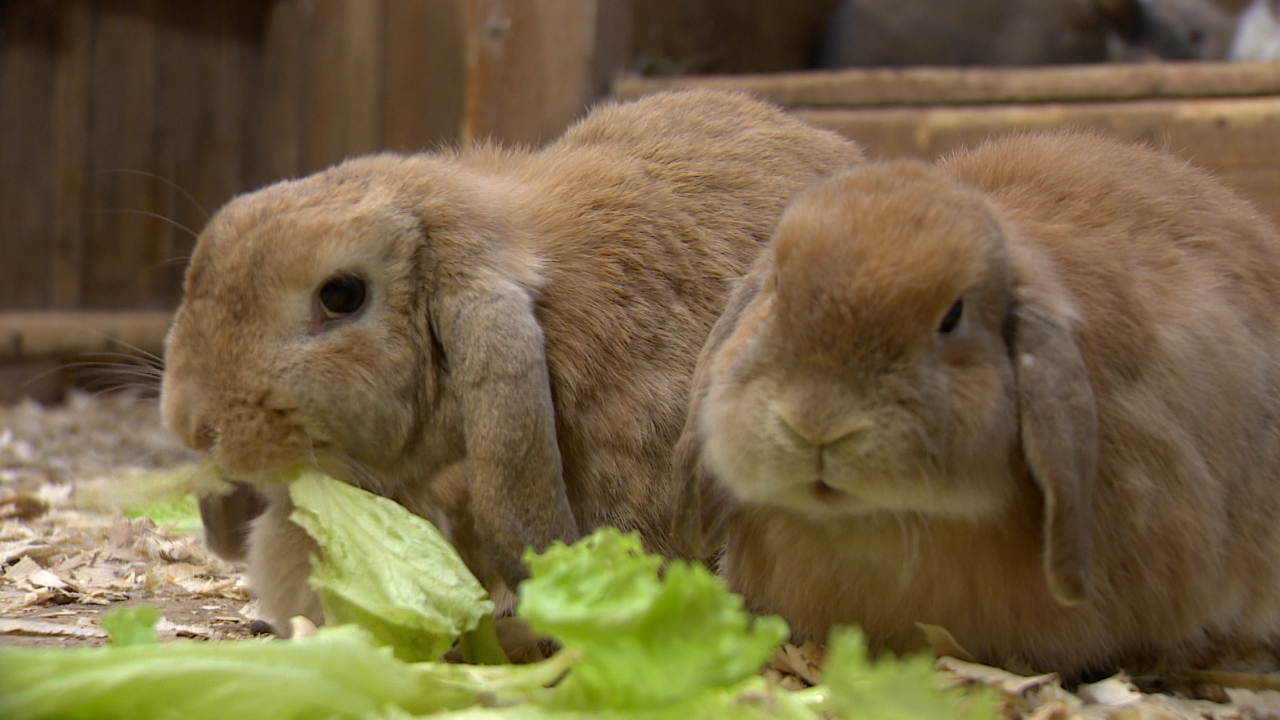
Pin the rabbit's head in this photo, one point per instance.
(897, 352)
(375, 320)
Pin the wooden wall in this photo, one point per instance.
(678, 37)
(128, 121)
(1221, 116)
(125, 123)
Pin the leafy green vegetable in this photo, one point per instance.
(645, 640)
(481, 646)
(642, 641)
(131, 625)
(385, 569)
(339, 673)
(167, 496)
(181, 512)
(892, 689)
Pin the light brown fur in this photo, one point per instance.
(532, 323)
(1081, 476)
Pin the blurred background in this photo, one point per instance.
(125, 123)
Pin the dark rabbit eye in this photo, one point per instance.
(952, 318)
(342, 295)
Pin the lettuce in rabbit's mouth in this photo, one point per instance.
(641, 639)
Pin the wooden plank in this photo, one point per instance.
(614, 44)
(70, 155)
(273, 145)
(342, 87)
(44, 333)
(122, 234)
(1238, 138)
(194, 153)
(425, 64)
(362, 72)
(533, 66)
(29, 43)
(878, 87)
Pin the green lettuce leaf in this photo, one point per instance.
(165, 495)
(643, 640)
(893, 689)
(180, 512)
(339, 673)
(648, 637)
(132, 625)
(385, 569)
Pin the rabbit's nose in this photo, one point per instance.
(805, 431)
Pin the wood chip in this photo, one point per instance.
(1003, 680)
(1238, 680)
(943, 643)
(49, 629)
(21, 570)
(1113, 692)
(801, 665)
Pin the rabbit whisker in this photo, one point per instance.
(163, 179)
(155, 215)
(135, 352)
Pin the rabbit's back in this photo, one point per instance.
(644, 213)
(1176, 282)
(1169, 284)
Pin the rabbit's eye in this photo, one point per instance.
(342, 295)
(952, 318)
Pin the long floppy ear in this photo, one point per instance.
(1059, 425)
(497, 366)
(706, 507)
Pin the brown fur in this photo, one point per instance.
(1081, 476)
(533, 320)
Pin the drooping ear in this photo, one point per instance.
(497, 366)
(1059, 427)
(706, 507)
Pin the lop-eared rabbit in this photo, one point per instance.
(1030, 394)
(501, 339)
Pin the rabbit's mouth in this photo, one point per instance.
(823, 492)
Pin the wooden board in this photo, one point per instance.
(915, 86)
(63, 333)
(1225, 117)
(535, 65)
(28, 82)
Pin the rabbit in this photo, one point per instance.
(1153, 30)
(1029, 393)
(1257, 36)
(1021, 32)
(532, 315)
